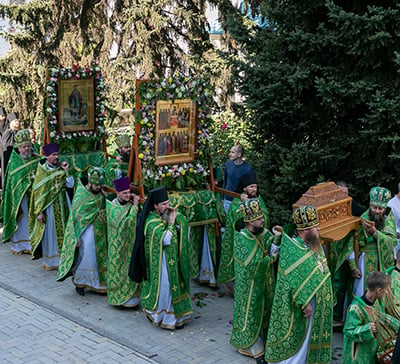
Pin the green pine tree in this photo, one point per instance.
(129, 39)
(321, 83)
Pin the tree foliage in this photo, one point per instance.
(129, 39)
(322, 84)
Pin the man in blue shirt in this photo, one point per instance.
(235, 168)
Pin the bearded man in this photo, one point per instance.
(254, 282)
(49, 207)
(300, 328)
(16, 194)
(165, 294)
(121, 232)
(234, 222)
(376, 238)
(86, 235)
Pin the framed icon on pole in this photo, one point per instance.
(175, 138)
(172, 118)
(76, 104)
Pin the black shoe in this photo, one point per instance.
(149, 318)
(180, 327)
(80, 290)
(261, 360)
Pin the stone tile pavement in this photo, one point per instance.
(45, 321)
(30, 333)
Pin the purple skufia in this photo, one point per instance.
(122, 184)
(50, 148)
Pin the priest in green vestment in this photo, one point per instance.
(84, 252)
(367, 323)
(121, 232)
(376, 239)
(254, 282)
(16, 194)
(165, 294)
(118, 167)
(300, 329)
(247, 184)
(48, 211)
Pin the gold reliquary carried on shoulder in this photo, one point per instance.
(334, 212)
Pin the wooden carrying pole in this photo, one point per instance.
(214, 188)
(134, 167)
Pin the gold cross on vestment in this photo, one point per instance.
(328, 297)
(315, 337)
(320, 266)
(57, 184)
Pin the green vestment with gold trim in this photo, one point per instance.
(178, 265)
(18, 182)
(302, 275)
(201, 209)
(394, 275)
(48, 189)
(359, 343)
(86, 209)
(111, 170)
(254, 287)
(226, 271)
(378, 249)
(121, 233)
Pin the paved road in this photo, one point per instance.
(45, 321)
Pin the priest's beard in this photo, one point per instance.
(125, 156)
(164, 215)
(378, 219)
(258, 230)
(95, 191)
(313, 240)
(253, 195)
(255, 230)
(26, 155)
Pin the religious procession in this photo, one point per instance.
(120, 225)
(250, 148)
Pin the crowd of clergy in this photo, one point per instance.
(287, 299)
